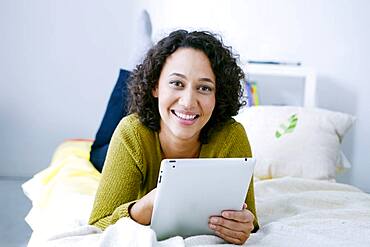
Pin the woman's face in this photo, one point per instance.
(186, 93)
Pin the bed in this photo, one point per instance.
(298, 151)
(292, 211)
(298, 201)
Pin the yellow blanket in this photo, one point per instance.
(70, 172)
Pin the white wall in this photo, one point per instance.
(331, 36)
(59, 61)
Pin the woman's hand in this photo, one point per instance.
(233, 226)
(141, 211)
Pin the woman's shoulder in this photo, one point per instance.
(131, 125)
(228, 140)
(131, 119)
(230, 129)
(136, 138)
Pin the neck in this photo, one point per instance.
(173, 147)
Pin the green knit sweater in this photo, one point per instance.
(133, 161)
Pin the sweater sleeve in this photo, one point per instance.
(121, 179)
(237, 146)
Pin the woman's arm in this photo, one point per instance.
(121, 180)
(142, 210)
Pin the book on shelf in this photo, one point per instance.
(274, 62)
(251, 89)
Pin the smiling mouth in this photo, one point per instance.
(183, 116)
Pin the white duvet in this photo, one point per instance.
(291, 212)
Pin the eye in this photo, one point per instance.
(205, 89)
(176, 83)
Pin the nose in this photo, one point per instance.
(188, 98)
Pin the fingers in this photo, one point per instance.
(238, 239)
(232, 235)
(217, 222)
(240, 216)
(233, 226)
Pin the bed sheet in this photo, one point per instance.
(291, 211)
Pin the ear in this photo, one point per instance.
(155, 92)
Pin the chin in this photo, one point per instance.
(184, 137)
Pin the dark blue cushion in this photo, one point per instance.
(116, 110)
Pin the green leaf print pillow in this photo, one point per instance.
(295, 141)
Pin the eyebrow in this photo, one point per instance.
(201, 79)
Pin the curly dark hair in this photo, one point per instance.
(224, 65)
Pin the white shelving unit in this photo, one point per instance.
(289, 71)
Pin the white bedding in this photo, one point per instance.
(291, 212)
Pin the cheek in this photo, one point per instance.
(164, 102)
(210, 105)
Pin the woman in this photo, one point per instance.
(183, 97)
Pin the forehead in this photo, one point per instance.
(188, 61)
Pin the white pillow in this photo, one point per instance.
(295, 141)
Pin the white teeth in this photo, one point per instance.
(185, 116)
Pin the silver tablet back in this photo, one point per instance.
(191, 190)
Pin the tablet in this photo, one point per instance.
(189, 191)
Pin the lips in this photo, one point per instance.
(185, 116)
